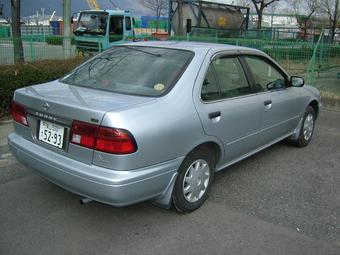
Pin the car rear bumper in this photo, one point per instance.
(118, 188)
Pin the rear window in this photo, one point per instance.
(135, 70)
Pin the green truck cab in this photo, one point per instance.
(98, 30)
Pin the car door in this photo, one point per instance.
(281, 110)
(116, 29)
(228, 108)
(128, 27)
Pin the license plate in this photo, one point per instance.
(51, 133)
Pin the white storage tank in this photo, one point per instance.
(213, 16)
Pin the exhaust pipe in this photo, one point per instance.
(85, 200)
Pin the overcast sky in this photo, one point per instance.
(281, 2)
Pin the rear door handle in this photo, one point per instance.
(213, 115)
(267, 102)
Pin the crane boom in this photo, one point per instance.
(51, 18)
(93, 4)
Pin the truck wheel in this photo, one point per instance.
(194, 181)
(80, 53)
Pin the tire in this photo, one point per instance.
(194, 180)
(307, 128)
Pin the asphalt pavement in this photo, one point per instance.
(283, 200)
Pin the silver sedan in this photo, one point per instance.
(155, 120)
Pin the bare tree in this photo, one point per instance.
(16, 32)
(260, 5)
(272, 9)
(246, 3)
(331, 9)
(308, 8)
(180, 17)
(158, 6)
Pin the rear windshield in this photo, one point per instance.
(135, 70)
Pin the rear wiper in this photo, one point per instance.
(135, 48)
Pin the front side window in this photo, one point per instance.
(127, 23)
(232, 79)
(116, 28)
(135, 70)
(266, 76)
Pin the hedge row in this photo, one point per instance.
(57, 40)
(13, 77)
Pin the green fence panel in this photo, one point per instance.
(306, 58)
(5, 31)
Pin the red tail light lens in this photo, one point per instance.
(116, 141)
(18, 113)
(83, 134)
(110, 140)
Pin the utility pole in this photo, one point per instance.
(335, 19)
(16, 32)
(67, 28)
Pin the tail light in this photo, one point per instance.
(18, 113)
(114, 140)
(110, 140)
(84, 134)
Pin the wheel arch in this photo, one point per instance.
(315, 105)
(165, 200)
(213, 146)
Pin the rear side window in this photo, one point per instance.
(135, 70)
(210, 89)
(225, 78)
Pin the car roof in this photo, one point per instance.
(195, 46)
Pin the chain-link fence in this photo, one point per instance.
(317, 61)
(36, 47)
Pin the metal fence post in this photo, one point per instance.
(31, 49)
(311, 79)
(67, 28)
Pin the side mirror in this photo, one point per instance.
(296, 81)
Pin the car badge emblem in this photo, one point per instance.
(46, 106)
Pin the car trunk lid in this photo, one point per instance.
(61, 104)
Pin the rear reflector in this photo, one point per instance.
(18, 113)
(110, 140)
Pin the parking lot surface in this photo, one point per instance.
(284, 200)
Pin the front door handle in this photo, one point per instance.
(214, 115)
(267, 102)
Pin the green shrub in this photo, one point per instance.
(56, 40)
(13, 77)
